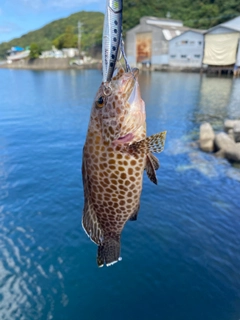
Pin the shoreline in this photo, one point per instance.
(65, 64)
(49, 64)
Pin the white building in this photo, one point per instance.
(64, 53)
(152, 41)
(222, 46)
(186, 50)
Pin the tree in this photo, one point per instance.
(66, 40)
(35, 51)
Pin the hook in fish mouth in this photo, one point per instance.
(107, 89)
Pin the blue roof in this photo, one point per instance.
(17, 49)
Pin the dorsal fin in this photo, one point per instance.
(89, 220)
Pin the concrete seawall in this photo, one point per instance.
(47, 63)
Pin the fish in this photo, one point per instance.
(115, 154)
(112, 37)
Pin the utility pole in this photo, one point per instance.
(79, 25)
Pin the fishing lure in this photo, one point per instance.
(112, 37)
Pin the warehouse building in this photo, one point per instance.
(186, 50)
(153, 42)
(222, 46)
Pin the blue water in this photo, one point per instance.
(181, 258)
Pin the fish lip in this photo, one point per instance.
(124, 139)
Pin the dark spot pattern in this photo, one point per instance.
(113, 177)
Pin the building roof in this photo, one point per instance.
(17, 49)
(190, 30)
(161, 21)
(170, 28)
(233, 24)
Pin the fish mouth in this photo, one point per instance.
(125, 139)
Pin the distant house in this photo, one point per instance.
(222, 46)
(186, 50)
(64, 53)
(15, 50)
(70, 52)
(152, 41)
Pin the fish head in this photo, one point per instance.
(119, 108)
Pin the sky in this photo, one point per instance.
(18, 17)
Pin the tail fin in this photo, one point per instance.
(109, 251)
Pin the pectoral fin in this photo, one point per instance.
(154, 143)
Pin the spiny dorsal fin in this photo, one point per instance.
(154, 143)
(150, 169)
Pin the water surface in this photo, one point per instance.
(180, 258)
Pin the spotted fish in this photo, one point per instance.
(115, 154)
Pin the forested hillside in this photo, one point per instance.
(92, 23)
(194, 13)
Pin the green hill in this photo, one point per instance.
(91, 32)
(201, 14)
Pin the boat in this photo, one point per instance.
(17, 53)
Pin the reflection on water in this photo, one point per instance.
(180, 259)
(234, 104)
(219, 100)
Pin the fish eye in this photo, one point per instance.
(100, 102)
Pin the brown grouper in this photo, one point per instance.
(115, 154)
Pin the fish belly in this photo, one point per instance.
(115, 180)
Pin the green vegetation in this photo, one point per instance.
(67, 39)
(202, 14)
(35, 51)
(92, 23)
(62, 33)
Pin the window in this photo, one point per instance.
(183, 56)
(192, 43)
(173, 56)
(184, 42)
(199, 42)
(197, 56)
